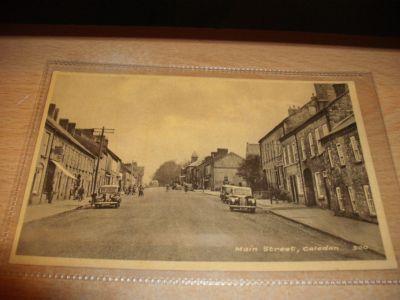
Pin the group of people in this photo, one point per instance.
(131, 190)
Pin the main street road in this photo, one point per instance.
(176, 225)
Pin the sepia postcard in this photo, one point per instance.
(180, 172)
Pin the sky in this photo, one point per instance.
(164, 117)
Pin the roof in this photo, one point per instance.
(252, 149)
(115, 156)
(315, 116)
(195, 163)
(53, 123)
(280, 124)
(230, 153)
(91, 145)
(346, 122)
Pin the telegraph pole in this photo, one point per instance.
(103, 130)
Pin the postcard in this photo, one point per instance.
(171, 171)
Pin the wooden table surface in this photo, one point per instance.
(22, 61)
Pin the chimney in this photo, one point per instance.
(292, 110)
(50, 112)
(64, 123)
(222, 152)
(325, 91)
(89, 133)
(55, 116)
(71, 128)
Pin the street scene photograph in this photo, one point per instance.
(145, 167)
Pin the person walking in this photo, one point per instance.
(81, 192)
(141, 191)
(50, 192)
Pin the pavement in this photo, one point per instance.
(350, 230)
(44, 210)
(179, 226)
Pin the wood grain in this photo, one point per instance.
(22, 61)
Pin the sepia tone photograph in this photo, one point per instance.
(191, 172)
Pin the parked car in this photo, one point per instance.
(177, 187)
(226, 190)
(241, 198)
(108, 196)
(188, 186)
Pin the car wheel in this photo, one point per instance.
(231, 208)
(253, 210)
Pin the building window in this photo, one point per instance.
(370, 201)
(45, 144)
(318, 139)
(291, 154)
(37, 179)
(289, 158)
(340, 154)
(330, 158)
(325, 130)
(284, 156)
(295, 154)
(356, 149)
(318, 184)
(352, 197)
(339, 198)
(303, 149)
(299, 185)
(311, 142)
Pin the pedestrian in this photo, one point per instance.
(81, 192)
(50, 192)
(141, 191)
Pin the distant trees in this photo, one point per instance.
(250, 169)
(167, 172)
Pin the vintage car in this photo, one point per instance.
(241, 198)
(226, 190)
(188, 187)
(108, 196)
(177, 187)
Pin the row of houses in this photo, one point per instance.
(314, 155)
(218, 168)
(68, 158)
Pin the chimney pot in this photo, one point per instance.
(64, 123)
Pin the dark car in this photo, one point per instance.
(241, 198)
(108, 196)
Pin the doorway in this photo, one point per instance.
(309, 185)
(293, 188)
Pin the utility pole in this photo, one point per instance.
(103, 131)
(132, 173)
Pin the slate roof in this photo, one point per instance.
(346, 122)
(53, 124)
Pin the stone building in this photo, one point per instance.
(321, 155)
(221, 168)
(113, 167)
(346, 175)
(271, 157)
(137, 172)
(64, 163)
(303, 150)
(91, 140)
(188, 173)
